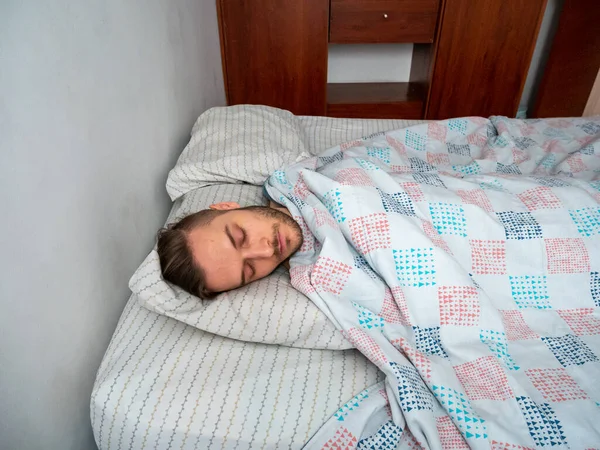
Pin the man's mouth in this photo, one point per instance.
(282, 244)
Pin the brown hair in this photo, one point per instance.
(175, 255)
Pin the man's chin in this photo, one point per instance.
(296, 232)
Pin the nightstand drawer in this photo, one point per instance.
(378, 21)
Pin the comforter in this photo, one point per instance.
(463, 259)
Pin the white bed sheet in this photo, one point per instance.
(166, 385)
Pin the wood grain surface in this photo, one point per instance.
(375, 100)
(378, 21)
(483, 57)
(573, 63)
(275, 53)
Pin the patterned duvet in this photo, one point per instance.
(463, 259)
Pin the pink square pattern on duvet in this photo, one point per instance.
(484, 379)
(556, 385)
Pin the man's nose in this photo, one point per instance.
(260, 249)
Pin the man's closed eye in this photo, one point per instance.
(248, 270)
(239, 239)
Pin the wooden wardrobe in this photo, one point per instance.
(570, 86)
(470, 57)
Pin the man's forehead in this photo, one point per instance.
(207, 242)
(216, 260)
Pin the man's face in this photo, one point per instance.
(243, 245)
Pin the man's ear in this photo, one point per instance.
(223, 206)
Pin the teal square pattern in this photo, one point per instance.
(366, 165)
(280, 176)
(500, 141)
(461, 412)
(448, 218)
(415, 267)
(350, 406)
(379, 153)
(493, 185)
(367, 319)
(415, 140)
(333, 202)
(458, 125)
(587, 220)
(548, 161)
(530, 291)
(498, 345)
(468, 169)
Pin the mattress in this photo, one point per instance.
(163, 384)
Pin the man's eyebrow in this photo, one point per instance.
(229, 235)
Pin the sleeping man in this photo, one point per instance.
(226, 247)
(461, 257)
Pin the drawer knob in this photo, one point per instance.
(385, 16)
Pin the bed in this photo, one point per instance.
(479, 319)
(166, 384)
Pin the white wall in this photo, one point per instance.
(374, 63)
(97, 98)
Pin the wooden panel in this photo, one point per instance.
(275, 53)
(377, 21)
(573, 63)
(592, 107)
(423, 61)
(483, 56)
(375, 100)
